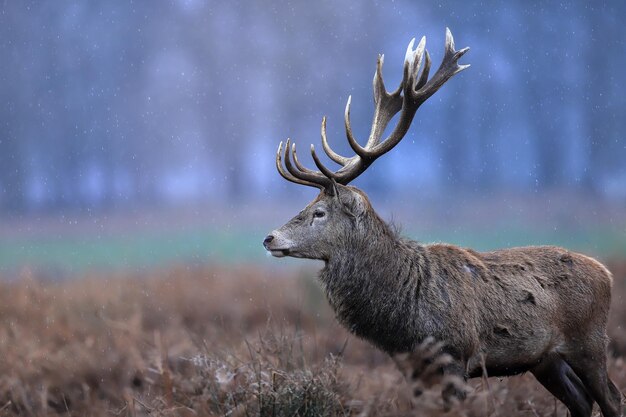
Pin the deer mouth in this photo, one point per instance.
(279, 253)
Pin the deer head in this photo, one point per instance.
(340, 212)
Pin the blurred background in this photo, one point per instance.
(139, 134)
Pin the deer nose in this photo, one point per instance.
(268, 240)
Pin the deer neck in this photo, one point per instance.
(372, 284)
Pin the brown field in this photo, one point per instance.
(217, 341)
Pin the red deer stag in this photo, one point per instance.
(539, 309)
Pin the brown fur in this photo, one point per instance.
(541, 309)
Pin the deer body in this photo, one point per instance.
(511, 307)
(540, 309)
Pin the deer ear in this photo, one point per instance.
(352, 203)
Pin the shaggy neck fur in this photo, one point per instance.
(372, 283)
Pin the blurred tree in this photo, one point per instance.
(603, 85)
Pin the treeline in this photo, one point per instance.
(113, 103)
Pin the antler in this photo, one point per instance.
(412, 92)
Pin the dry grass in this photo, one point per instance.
(212, 342)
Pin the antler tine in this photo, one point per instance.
(341, 160)
(378, 86)
(387, 104)
(313, 177)
(358, 149)
(406, 69)
(327, 172)
(299, 166)
(416, 62)
(287, 176)
(424, 77)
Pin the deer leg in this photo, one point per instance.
(432, 363)
(559, 378)
(454, 384)
(421, 377)
(589, 363)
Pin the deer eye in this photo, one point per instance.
(318, 213)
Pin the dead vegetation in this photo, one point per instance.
(212, 341)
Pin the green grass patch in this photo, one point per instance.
(77, 254)
(147, 250)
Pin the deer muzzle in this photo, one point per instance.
(277, 246)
